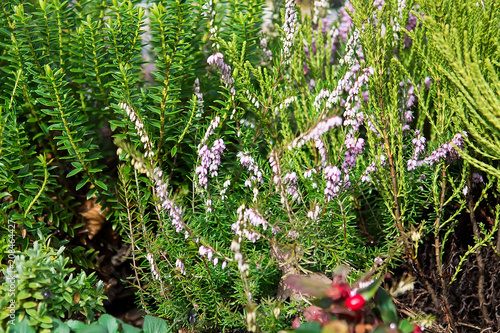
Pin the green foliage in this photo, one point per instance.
(105, 324)
(232, 149)
(41, 287)
(469, 50)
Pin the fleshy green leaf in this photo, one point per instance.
(386, 307)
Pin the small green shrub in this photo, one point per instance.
(40, 287)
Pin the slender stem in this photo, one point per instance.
(412, 258)
(480, 260)
(132, 243)
(45, 178)
(437, 251)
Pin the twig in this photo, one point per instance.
(480, 261)
(437, 247)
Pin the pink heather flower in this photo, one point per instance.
(180, 265)
(320, 129)
(446, 150)
(290, 26)
(224, 264)
(205, 251)
(225, 70)
(427, 82)
(412, 23)
(139, 128)
(199, 97)
(290, 179)
(248, 161)
(333, 183)
(210, 161)
(476, 179)
(378, 4)
(154, 271)
(202, 250)
(246, 217)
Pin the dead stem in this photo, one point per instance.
(480, 260)
(437, 246)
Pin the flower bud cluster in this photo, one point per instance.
(351, 47)
(290, 25)
(319, 10)
(210, 130)
(323, 95)
(206, 251)
(354, 147)
(273, 162)
(225, 70)
(199, 97)
(174, 211)
(154, 271)
(209, 11)
(419, 143)
(445, 151)
(267, 54)
(476, 179)
(225, 186)
(238, 256)
(286, 103)
(379, 4)
(412, 23)
(346, 22)
(210, 161)
(290, 180)
(248, 161)
(354, 119)
(408, 101)
(139, 128)
(371, 126)
(180, 265)
(334, 184)
(314, 214)
(246, 217)
(318, 130)
(365, 178)
(319, 144)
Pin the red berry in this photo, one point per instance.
(417, 329)
(355, 303)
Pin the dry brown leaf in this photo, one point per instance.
(92, 217)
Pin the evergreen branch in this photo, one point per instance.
(43, 160)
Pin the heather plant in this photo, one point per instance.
(233, 145)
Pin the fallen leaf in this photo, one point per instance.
(92, 217)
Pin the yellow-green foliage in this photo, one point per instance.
(466, 34)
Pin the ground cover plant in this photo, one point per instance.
(228, 145)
